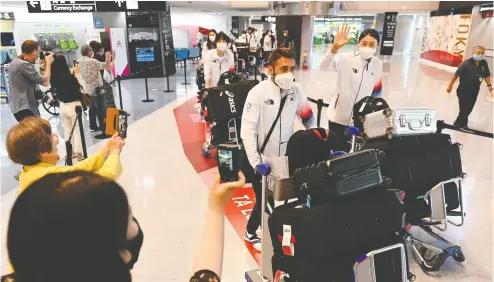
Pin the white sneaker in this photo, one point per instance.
(254, 240)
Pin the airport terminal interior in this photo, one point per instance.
(166, 173)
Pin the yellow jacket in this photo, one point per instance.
(111, 168)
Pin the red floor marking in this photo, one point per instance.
(192, 136)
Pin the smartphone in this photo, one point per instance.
(229, 159)
(122, 124)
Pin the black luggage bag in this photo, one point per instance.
(418, 163)
(341, 176)
(222, 104)
(328, 229)
(339, 267)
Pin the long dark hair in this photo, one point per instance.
(69, 227)
(59, 70)
(211, 45)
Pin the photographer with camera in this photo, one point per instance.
(24, 80)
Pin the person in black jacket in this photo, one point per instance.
(68, 90)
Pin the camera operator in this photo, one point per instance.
(24, 79)
(281, 95)
(90, 73)
(32, 144)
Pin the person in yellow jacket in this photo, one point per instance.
(32, 144)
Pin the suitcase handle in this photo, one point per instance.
(411, 127)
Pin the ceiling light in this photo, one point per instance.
(189, 2)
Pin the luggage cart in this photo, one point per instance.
(208, 146)
(431, 255)
(276, 189)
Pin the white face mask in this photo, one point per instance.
(212, 38)
(366, 52)
(221, 46)
(284, 80)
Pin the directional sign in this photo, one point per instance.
(6, 16)
(61, 6)
(389, 30)
(124, 6)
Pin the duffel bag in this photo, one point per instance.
(339, 268)
(341, 176)
(418, 163)
(329, 229)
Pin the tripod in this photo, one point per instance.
(68, 144)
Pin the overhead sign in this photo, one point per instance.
(389, 30)
(93, 6)
(268, 19)
(124, 6)
(344, 19)
(98, 23)
(61, 6)
(6, 16)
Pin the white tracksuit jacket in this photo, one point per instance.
(215, 66)
(260, 110)
(351, 70)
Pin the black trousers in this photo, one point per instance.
(22, 114)
(466, 100)
(339, 141)
(97, 111)
(256, 214)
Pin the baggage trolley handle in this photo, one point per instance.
(437, 201)
(364, 268)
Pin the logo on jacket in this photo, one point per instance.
(281, 276)
(269, 102)
(231, 101)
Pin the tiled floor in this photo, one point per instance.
(168, 192)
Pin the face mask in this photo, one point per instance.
(478, 57)
(284, 80)
(366, 52)
(212, 38)
(221, 46)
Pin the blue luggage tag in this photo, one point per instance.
(309, 199)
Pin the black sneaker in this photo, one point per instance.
(254, 240)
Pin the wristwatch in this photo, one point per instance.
(489, 85)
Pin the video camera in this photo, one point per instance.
(43, 55)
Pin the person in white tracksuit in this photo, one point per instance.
(218, 61)
(260, 111)
(359, 75)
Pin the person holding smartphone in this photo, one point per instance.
(267, 124)
(359, 75)
(218, 61)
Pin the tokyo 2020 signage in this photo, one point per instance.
(445, 39)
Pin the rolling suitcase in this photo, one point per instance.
(365, 106)
(399, 122)
(418, 163)
(332, 228)
(339, 267)
(341, 176)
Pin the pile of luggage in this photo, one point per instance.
(348, 206)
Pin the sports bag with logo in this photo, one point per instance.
(222, 104)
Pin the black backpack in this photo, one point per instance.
(307, 147)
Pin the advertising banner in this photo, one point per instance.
(119, 46)
(445, 38)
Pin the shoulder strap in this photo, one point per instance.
(282, 104)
